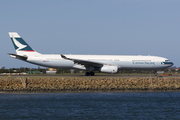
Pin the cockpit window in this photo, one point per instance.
(167, 60)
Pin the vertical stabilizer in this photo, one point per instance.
(21, 47)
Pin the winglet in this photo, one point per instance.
(63, 56)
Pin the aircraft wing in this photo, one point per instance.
(84, 62)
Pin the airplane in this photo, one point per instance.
(89, 63)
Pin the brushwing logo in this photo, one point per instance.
(18, 44)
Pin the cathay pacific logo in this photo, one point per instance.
(18, 44)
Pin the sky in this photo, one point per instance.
(95, 27)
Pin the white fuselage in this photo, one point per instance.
(122, 61)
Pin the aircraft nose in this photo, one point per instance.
(172, 64)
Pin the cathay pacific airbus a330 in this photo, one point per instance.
(89, 63)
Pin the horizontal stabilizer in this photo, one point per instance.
(18, 56)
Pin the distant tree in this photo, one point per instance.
(173, 70)
(3, 70)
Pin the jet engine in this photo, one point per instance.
(109, 69)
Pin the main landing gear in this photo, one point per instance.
(89, 74)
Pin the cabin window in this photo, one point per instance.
(167, 60)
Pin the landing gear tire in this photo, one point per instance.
(87, 74)
(92, 73)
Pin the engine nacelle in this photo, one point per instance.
(109, 69)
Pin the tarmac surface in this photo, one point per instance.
(99, 75)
